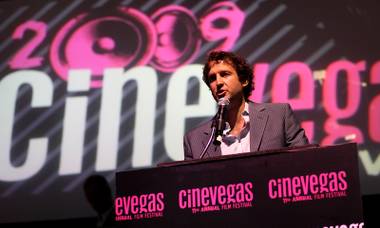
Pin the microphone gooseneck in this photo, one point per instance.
(220, 118)
(208, 143)
(218, 124)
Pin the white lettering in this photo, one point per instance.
(74, 123)
(179, 110)
(114, 80)
(42, 94)
(372, 167)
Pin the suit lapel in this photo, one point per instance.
(213, 150)
(258, 116)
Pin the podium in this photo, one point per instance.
(307, 186)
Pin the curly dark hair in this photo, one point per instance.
(243, 69)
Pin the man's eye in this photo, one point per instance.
(225, 73)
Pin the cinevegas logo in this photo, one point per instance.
(216, 197)
(145, 206)
(309, 187)
(352, 225)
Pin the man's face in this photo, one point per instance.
(224, 81)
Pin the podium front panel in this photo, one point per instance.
(315, 187)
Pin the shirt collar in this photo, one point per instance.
(245, 130)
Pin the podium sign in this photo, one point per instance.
(297, 187)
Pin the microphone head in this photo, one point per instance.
(225, 101)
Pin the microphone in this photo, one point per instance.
(218, 124)
(220, 117)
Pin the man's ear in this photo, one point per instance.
(245, 83)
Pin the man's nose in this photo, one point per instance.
(219, 80)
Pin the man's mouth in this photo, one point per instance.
(221, 93)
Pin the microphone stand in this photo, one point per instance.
(217, 125)
(213, 130)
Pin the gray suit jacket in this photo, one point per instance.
(272, 126)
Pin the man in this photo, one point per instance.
(248, 126)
